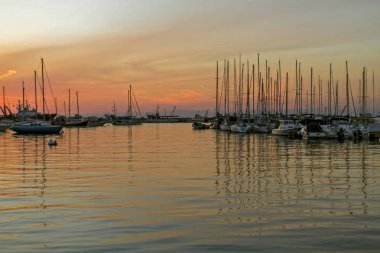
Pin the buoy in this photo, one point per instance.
(52, 142)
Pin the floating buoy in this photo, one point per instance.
(52, 142)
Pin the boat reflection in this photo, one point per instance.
(260, 178)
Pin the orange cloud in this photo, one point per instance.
(10, 72)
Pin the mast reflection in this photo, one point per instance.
(256, 173)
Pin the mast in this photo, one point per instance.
(258, 83)
(235, 89)
(329, 90)
(248, 91)
(347, 92)
(130, 101)
(253, 90)
(311, 90)
(4, 109)
(296, 105)
(69, 104)
(23, 100)
(56, 106)
(228, 88)
(77, 104)
(373, 93)
(266, 87)
(280, 89)
(363, 93)
(320, 95)
(35, 91)
(286, 94)
(336, 98)
(225, 87)
(277, 104)
(43, 88)
(241, 90)
(300, 86)
(217, 89)
(64, 107)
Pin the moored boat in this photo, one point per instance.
(200, 126)
(36, 127)
(286, 127)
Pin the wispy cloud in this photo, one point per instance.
(10, 72)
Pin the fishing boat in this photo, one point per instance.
(156, 117)
(286, 127)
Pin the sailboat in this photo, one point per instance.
(77, 120)
(286, 127)
(37, 126)
(128, 120)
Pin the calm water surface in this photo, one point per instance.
(168, 188)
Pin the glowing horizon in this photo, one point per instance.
(168, 50)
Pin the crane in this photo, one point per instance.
(172, 113)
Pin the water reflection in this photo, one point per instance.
(23, 176)
(255, 173)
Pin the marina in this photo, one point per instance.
(190, 126)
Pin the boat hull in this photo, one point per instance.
(36, 129)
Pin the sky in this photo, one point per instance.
(167, 49)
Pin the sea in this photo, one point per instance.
(169, 188)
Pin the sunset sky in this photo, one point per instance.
(167, 49)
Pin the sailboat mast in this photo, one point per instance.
(311, 90)
(266, 87)
(5, 111)
(329, 90)
(217, 90)
(347, 92)
(300, 86)
(130, 101)
(64, 107)
(280, 88)
(235, 89)
(43, 88)
(296, 105)
(286, 94)
(35, 91)
(69, 103)
(248, 91)
(228, 88)
(319, 95)
(364, 94)
(253, 89)
(77, 104)
(373, 93)
(336, 98)
(258, 85)
(23, 100)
